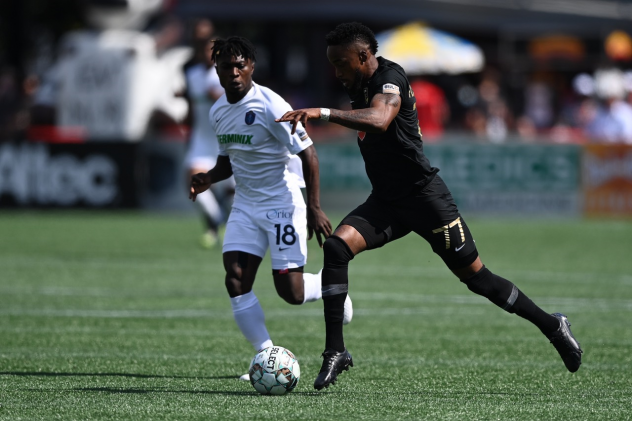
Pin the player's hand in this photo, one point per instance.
(199, 184)
(317, 222)
(296, 116)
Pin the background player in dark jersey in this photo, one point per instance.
(407, 196)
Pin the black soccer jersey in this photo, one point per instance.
(394, 160)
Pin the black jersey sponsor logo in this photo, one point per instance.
(250, 117)
(366, 95)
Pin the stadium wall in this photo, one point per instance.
(486, 179)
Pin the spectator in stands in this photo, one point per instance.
(489, 117)
(613, 121)
(432, 108)
(539, 104)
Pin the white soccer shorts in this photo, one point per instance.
(283, 229)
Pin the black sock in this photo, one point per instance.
(335, 285)
(507, 296)
(334, 313)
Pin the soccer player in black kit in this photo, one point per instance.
(408, 196)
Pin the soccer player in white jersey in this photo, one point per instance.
(270, 165)
(203, 89)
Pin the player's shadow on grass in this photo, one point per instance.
(132, 375)
(117, 390)
(193, 392)
(147, 391)
(142, 376)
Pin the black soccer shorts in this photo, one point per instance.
(429, 212)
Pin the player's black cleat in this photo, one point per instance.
(334, 363)
(566, 344)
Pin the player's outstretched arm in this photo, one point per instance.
(375, 119)
(317, 221)
(202, 181)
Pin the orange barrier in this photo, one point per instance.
(607, 179)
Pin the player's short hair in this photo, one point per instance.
(348, 33)
(234, 47)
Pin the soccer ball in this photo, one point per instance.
(274, 371)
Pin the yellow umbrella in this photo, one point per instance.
(420, 49)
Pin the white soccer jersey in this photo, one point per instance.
(261, 151)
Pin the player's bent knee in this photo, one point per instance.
(480, 283)
(289, 285)
(294, 293)
(235, 288)
(456, 262)
(336, 252)
(294, 298)
(235, 285)
(496, 289)
(233, 273)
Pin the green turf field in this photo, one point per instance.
(122, 316)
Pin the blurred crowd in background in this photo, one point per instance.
(572, 91)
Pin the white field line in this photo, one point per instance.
(437, 304)
(525, 275)
(366, 269)
(123, 262)
(62, 291)
(366, 361)
(100, 330)
(571, 303)
(118, 314)
(227, 314)
(518, 276)
(235, 333)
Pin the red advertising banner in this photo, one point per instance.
(607, 180)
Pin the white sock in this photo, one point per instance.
(251, 320)
(209, 205)
(312, 287)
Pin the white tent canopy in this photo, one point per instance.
(420, 49)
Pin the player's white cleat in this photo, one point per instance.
(348, 314)
(244, 378)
